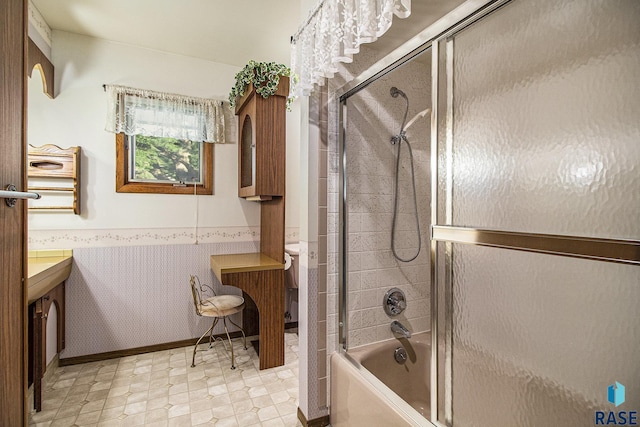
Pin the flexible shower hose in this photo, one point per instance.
(395, 203)
(399, 139)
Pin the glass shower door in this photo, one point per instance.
(537, 231)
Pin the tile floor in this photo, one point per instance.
(161, 389)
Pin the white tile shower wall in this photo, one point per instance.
(125, 297)
(373, 117)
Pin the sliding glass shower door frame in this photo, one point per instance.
(439, 37)
(444, 233)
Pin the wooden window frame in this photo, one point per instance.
(124, 186)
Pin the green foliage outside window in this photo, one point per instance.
(165, 159)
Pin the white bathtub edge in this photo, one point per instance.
(355, 400)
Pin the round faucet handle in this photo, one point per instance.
(394, 302)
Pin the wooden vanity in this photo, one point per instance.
(48, 271)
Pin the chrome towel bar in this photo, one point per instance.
(11, 195)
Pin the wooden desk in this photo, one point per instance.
(45, 286)
(262, 278)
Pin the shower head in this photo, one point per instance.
(395, 92)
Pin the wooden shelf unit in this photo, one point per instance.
(262, 143)
(261, 178)
(52, 162)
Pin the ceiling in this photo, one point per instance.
(225, 31)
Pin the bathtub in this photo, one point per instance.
(369, 388)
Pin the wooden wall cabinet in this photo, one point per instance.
(262, 143)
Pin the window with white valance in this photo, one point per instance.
(145, 112)
(163, 140)
(334, 32)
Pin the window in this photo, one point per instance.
(163, 165)
(164, 142)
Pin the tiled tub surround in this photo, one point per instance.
(161, 389)
(373, 116)
(134, 296)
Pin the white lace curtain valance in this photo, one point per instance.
(334, 32)
(150, 113)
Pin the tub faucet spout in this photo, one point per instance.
(400, 329)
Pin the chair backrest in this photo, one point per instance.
(195, 292)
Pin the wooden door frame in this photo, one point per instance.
(13, 220)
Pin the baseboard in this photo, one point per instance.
(316, 422)
(291, 325)
(50, 370)
(138, 350)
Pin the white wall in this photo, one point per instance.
(76, 117)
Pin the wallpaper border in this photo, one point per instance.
(70, 239)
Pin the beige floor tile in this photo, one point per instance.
(92, 406)
(113, 402)
(139, 386)
(268, 413)
(97, 395)
(135, 408)
(63, 422)
(88, 418)
(161, 389)
(262, 401)
(248, 418)
(44, 415)
(179, 410)
(158, 402)
(158, 392)
(110, 423)
(201, 417)
(135, 420)
(222, 400)
(276, 422)
(280, 397)
(69, 410)
(242, 406)
(52, 403)
(158, 414)
(111, 413)
(239, 395)
(181, 421)
(157, 424)
(179, 388)
(176, 399)
(227, 422)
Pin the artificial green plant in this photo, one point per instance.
(265, 77)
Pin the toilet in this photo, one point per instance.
(292, 252)
(291, 271)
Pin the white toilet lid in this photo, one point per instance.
(292, 249)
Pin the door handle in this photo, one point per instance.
(12, 196)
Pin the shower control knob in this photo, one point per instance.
(394, 302)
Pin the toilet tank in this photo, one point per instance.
(291, 273)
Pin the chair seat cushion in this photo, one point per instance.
(221, 305)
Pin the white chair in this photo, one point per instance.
(216, 306)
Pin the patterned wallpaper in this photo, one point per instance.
(132, 296)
